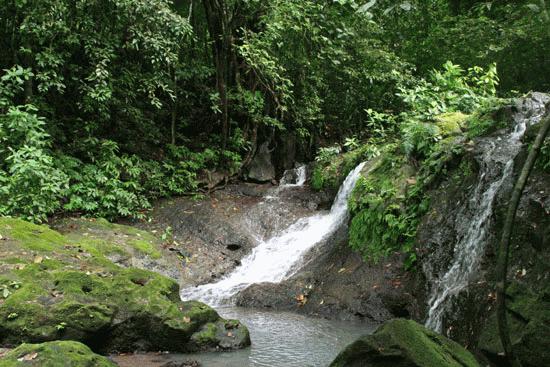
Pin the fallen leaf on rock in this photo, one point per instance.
(186, 319)
(302, 299)
(28, 357)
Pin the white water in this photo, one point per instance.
(472, 236)
(275, 259)
(298, 175)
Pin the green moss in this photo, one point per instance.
(145, 247)
(54, 354)
(30, 236)
(207, 335)
(451, 123)
(405, 343)
(66, 287)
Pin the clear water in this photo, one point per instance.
(279, 257)
(281, 339)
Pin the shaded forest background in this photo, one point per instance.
(106, 105)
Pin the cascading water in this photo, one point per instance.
(295, 177)
(496, 167)
(275, 259)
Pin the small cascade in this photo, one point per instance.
(277, 258)
(294, 177)
(496, 162)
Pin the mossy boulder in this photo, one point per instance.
(54, 354)
(451, 123)
(54, 288)
(404, 343)
(529, 324)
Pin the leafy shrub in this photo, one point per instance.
(326, 154)
(449, 90)
(419, 138)
(31, 186)
(382, 222)
(330, 171)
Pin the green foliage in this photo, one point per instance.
(325, 155)
(331, 169)
(382, 222)
(451, 90)
(543, 161)
(446, 91)
(30, 185)
(419, 137)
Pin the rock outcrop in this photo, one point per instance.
(404, 343)
(54, 354)
(55, 287)
(261, 168)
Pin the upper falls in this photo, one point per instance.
(277, 258)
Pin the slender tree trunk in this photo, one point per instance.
(217, 19)
(455, 7)
(504, 249)
(174, 109)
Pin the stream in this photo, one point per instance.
(283, 339)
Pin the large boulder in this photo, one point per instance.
(53, 288)
(54, 354)
(261, 167)
(404, 343)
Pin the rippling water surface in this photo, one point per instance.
(281, 339)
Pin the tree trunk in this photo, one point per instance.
(504, 249)
(174, 112)
(217, 19)
(455, 7)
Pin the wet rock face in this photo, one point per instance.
(472, 313)
(529, 323)
(336, 283)
(213, 235)
(63, 287)
(261, 168)
(404, 343)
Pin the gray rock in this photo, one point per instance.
(261, 167)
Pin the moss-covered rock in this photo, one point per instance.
(58, 287)
(529, 324)
(54, 354)
(451, 123)
(404, 343)
(225, 334)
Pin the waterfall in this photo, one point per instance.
(496, 162)
(295, 177)
(276, 259)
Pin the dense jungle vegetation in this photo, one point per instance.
(108, 104)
